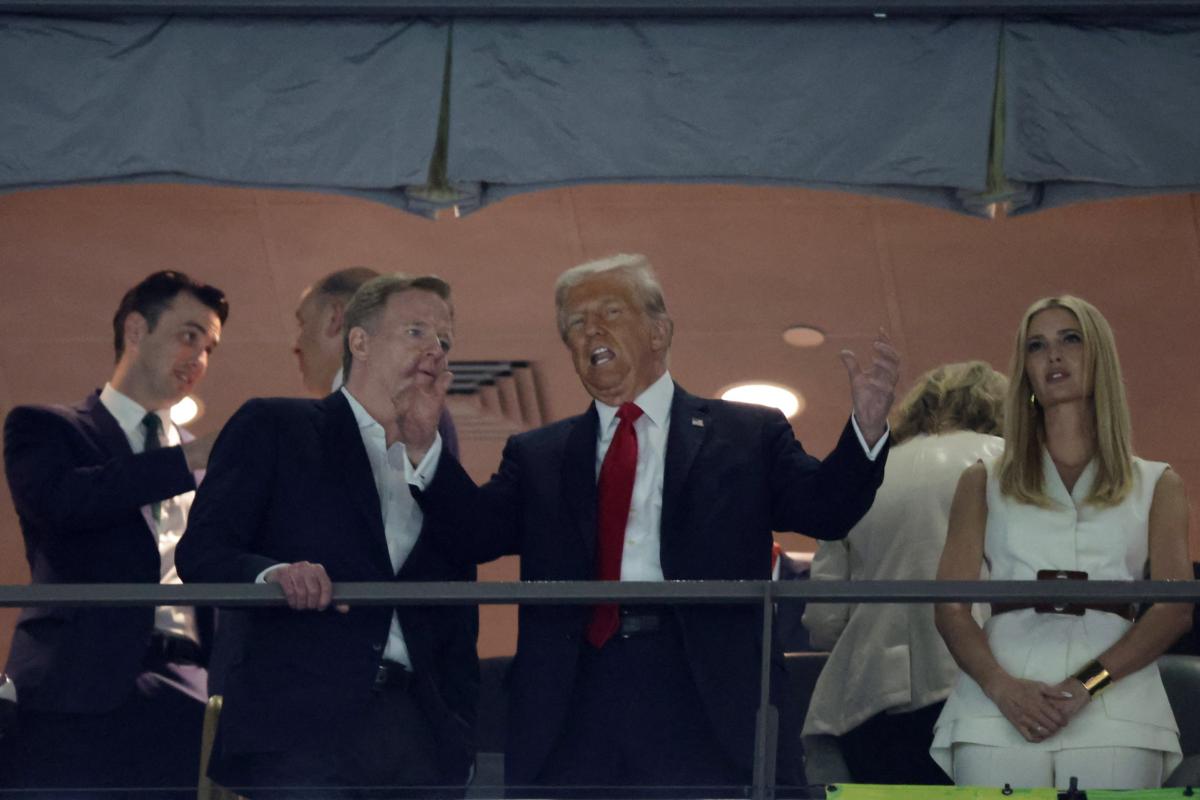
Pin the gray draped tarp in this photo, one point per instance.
(899, 106)
(1102, 110)
(340, 105)
(467, 111)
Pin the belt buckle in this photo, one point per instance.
(635, 622)
(161, 647)
(391, 674)
(1074, 609)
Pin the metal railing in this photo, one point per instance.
(763, 593)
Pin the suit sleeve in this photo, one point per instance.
(51, 488)
(469, 523)
(231, 504)
(823, 499)
(458, 658)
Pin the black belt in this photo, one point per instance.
(1074, 609)
(169, 648)
(641, 620)
(392, 675)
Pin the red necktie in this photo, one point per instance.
(615, 492)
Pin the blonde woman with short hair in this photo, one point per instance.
(889, 672)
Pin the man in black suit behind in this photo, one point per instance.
(301, 492)
(650, 483)
(114, 696)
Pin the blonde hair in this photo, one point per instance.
(634, 268)
(965, 396)
(1021, 475)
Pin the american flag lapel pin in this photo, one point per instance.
(699, 423)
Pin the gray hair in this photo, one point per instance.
(343, 283)
(368, 301)
(634, 267)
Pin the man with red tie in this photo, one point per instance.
(650, 483)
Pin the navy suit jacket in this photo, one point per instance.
(289, 480)
(733, 474)
(79, 490)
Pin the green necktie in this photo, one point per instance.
(153, 427)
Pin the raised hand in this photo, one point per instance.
(418, 409)
(873, 389)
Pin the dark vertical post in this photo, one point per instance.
(767, 724)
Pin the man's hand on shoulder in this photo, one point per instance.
(872, 390)
(197, 451)
(305, 585)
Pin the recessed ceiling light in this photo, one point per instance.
(185, 411)
(804, 336)
(772, 395)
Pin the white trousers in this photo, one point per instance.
(1095, 767)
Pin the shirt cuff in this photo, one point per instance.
(872, 452)
(420, 475)
(262, 576)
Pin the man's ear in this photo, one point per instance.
(136, 328)
(660, 334)
(359, 341)
(337, 317)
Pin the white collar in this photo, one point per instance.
(338, 381)
(129, 413)
(655, 403)
(365, 421)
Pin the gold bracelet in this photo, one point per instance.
(1094, 677)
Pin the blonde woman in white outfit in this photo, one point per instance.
(1051, 693)
(888, 672)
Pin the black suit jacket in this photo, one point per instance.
(79, 490)
(289, 480)
(733, 474)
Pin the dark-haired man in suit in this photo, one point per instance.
(304, 492)
(114, 696)
(650, 483)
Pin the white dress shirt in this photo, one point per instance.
(640, 560)
(173, 620)
(402, 517)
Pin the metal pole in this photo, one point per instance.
(767, 722)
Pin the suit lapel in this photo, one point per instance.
(103, 426)
(579, 477)
(690, 425)
(350, 469)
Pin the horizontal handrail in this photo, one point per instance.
(586, 592)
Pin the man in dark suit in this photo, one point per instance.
(650, 483)
(114, 696)
(302, 492)
(320, 319)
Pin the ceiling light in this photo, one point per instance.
(804, 336)
(185, 411)
(766, 394)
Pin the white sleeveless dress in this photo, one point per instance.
(1109, 544)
